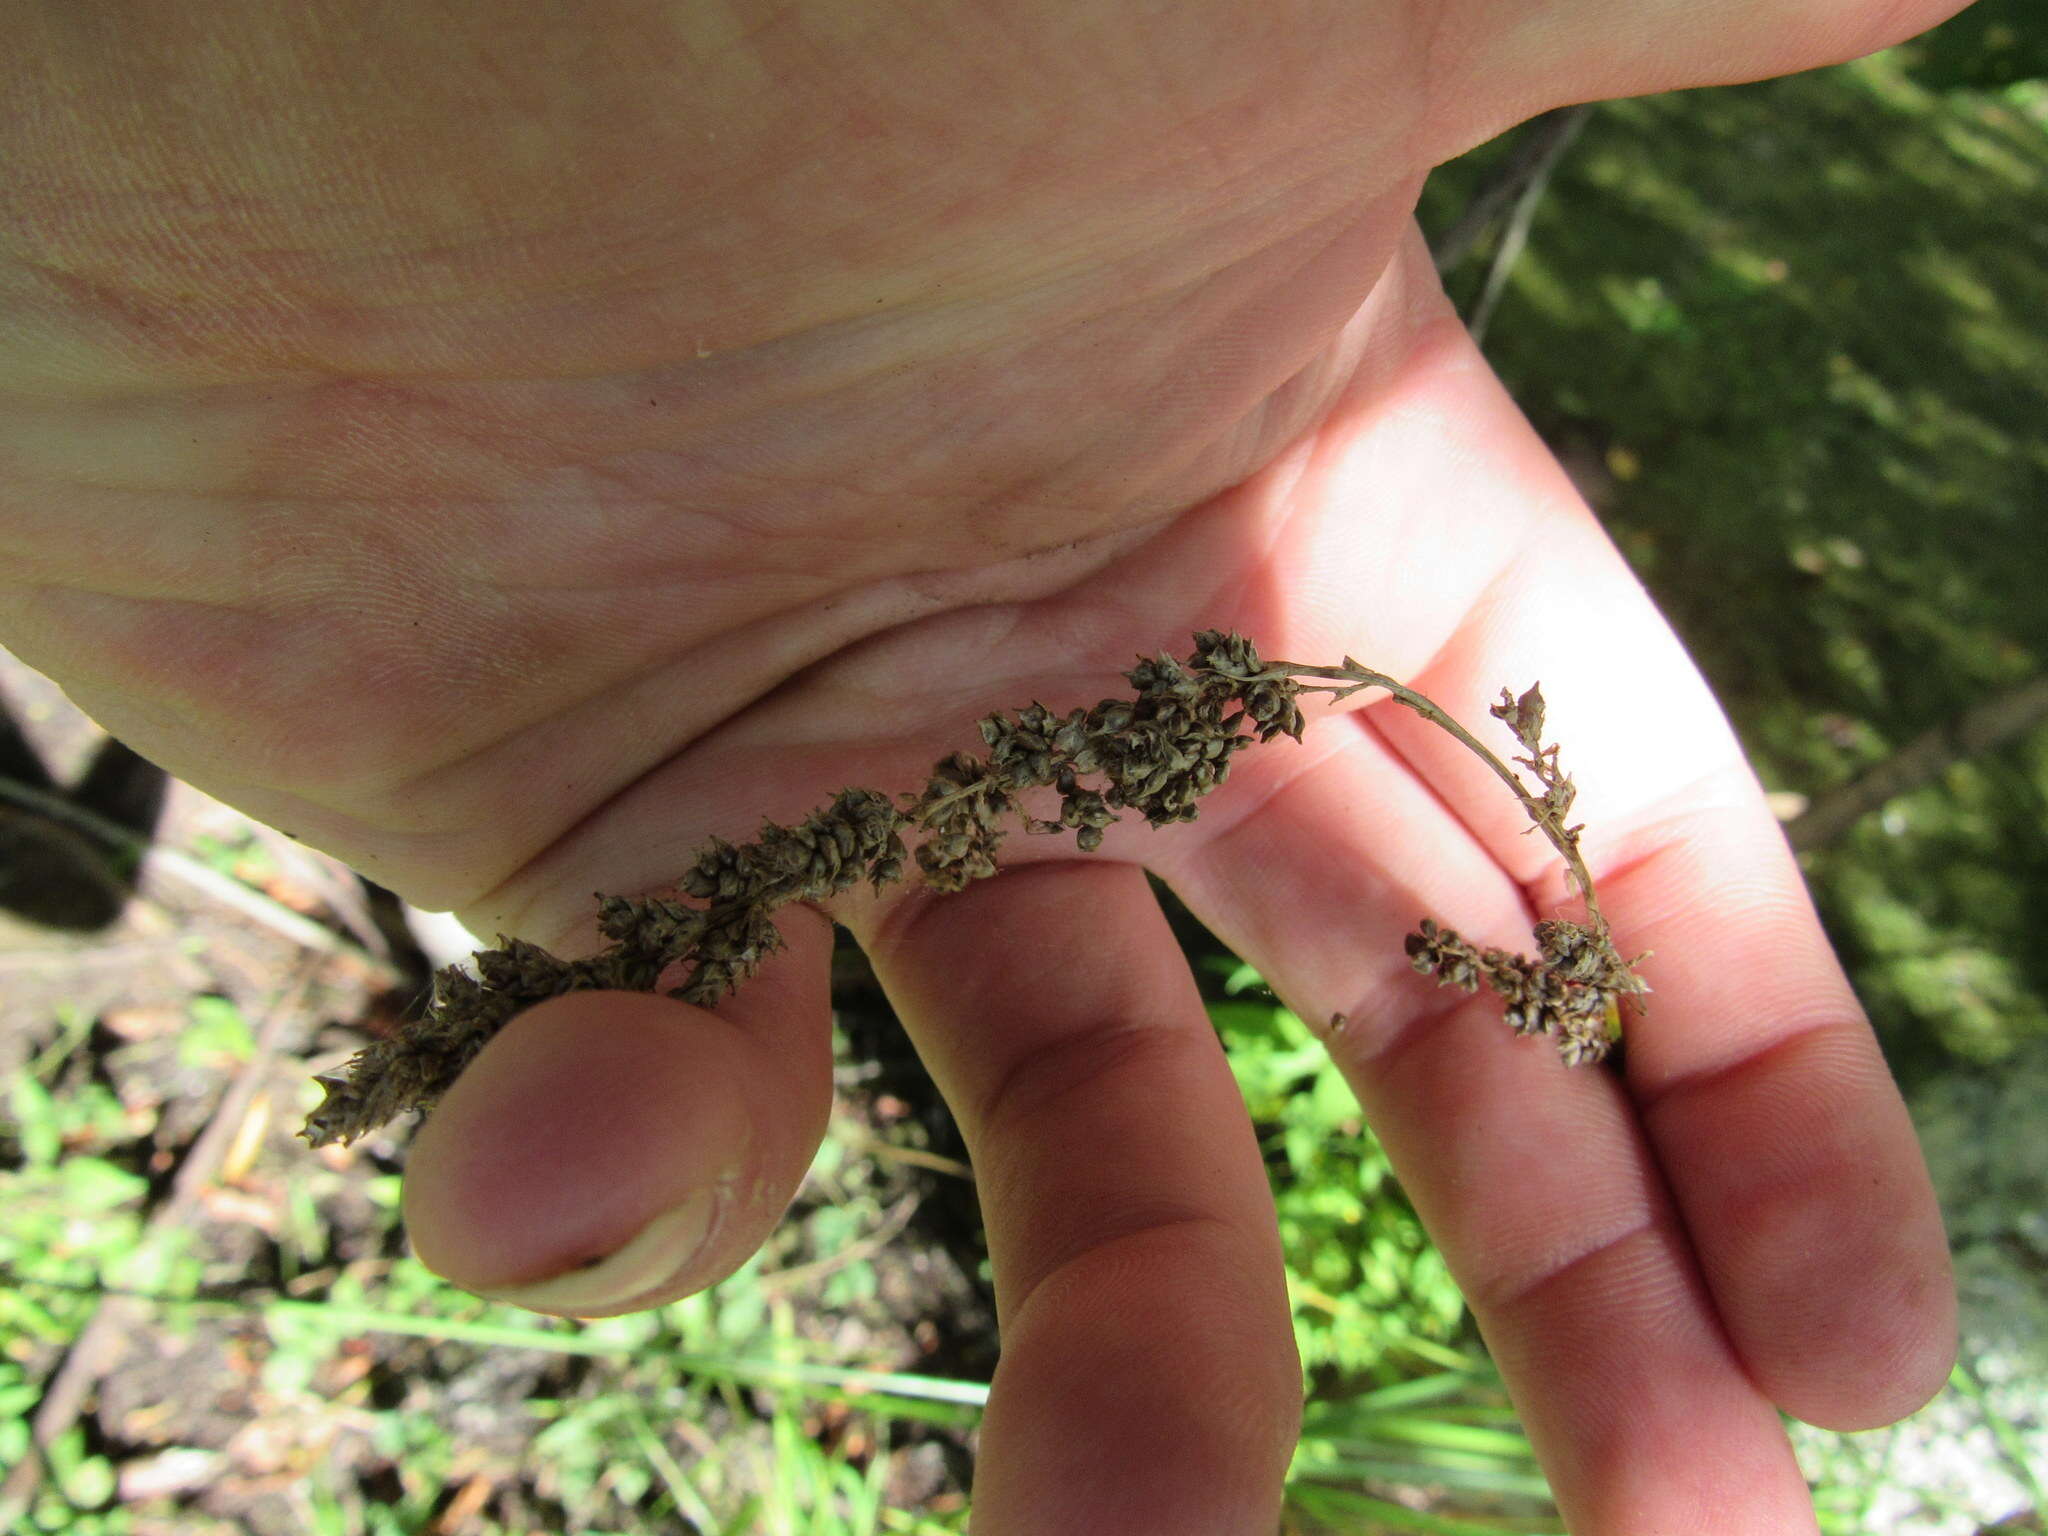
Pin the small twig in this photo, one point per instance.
(865, 1141)
(1987, 724)
(331, 881)
(894, 1220)
(1539, 144)
(1515, 238)
(117, 1317)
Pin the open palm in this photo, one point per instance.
(505, 452)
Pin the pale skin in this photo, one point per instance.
(506, 448)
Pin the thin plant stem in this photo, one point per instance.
(1550, 824)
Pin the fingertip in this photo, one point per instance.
(609, 1151)
(1885, 1358)
(1818, 1227)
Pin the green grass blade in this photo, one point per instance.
(1361, 1512)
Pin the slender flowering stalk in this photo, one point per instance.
(1156, 753)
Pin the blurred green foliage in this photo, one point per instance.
(1369, 1288)
(1793, 339)
(1992, 44)
(1400, 1396)
(70, 1216)
(604, 1457)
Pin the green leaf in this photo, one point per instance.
(850, 1286)
(94, 1184)
(742, 1313)
(1351, 1511)
(34, 1116)
(1238, 975)
(217, 1031)
(91, 1483)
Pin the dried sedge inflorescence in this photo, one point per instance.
(1572, 989)
(1155, 754)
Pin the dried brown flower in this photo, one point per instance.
(1156, 753)
(1572, 991)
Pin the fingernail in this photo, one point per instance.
(654, 1255)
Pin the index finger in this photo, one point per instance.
(1148, 1381)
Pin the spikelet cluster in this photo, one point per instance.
(1155, 753)
(1571, 991)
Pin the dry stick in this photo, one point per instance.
(1987, 724)
(331, 881)
(797, 1276)
(117, 1316)
(867, 1144)
(1536, 147)
(1516, 236)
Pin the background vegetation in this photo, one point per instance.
(1792, 339)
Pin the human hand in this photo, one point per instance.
(513, 451)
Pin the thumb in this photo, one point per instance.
(610, 1151)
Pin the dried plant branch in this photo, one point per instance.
(1983, 727)
(1156, 753)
